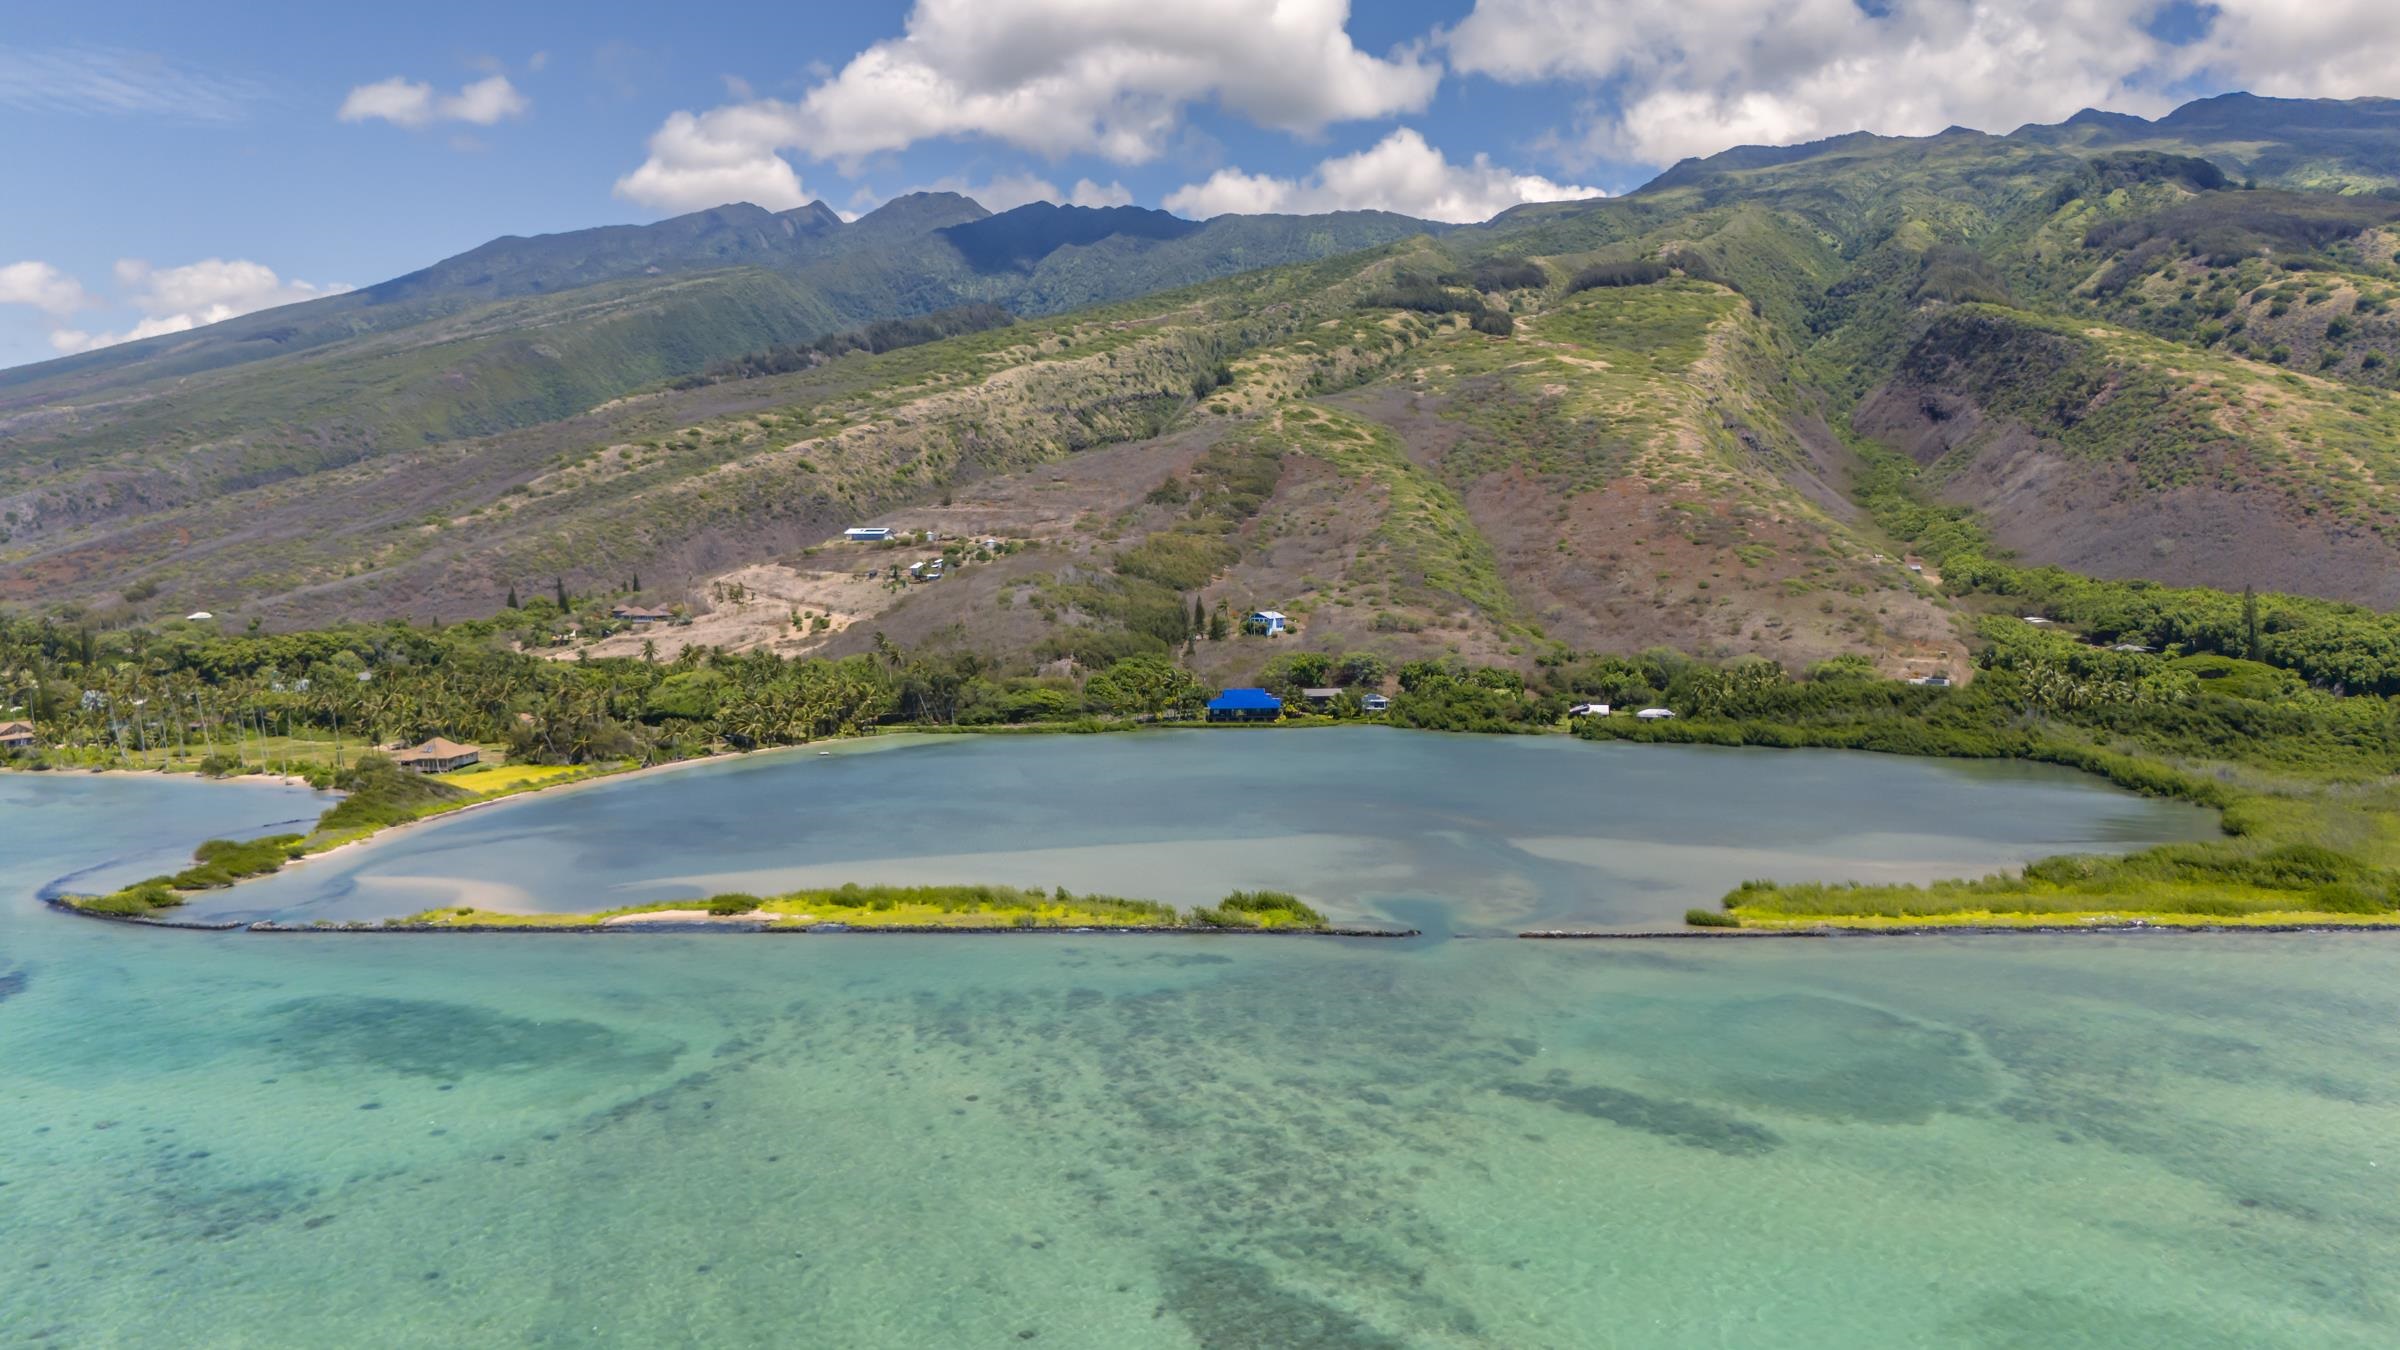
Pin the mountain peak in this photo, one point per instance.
(814, 216)
(1024, 235)
(923, 212)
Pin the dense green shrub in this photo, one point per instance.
(1710, 918)
(1258, 909)
(1640, 273)
(1509, 274)
(382, 793)
(222, 862)
(140, 898)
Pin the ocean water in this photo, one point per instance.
(392, 1140)
(1496, 834)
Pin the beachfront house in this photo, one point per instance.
(1375, 703)
(1245, 705)
(867, 534)
(16, 735)
(1655, 714)
(635, 614)
(1320, 697)
(1268, 622)
(438, 755)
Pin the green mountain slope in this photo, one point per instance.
(1606, 425)
(781, 277)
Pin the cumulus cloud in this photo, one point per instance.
(412, 103)
(1105, 77)
(211, 290)
(169, 299)
(43, 287)
(2325, 49)
(1399, 173)
(1690, 77)
(707, 159)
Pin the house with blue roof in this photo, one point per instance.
(1245, 705)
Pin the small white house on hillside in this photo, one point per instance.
(1272, 620)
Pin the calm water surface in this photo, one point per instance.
(646, 1140)
(1474, 833)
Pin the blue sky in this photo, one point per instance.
(172, 164)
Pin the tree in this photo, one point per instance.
(563, 605)
(1362, 668)
(1218, 626)
(1145, 684)
(2250, 622)
(512, 598)
(1293, 671)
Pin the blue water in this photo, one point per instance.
(641, 1140)
(1371, 825)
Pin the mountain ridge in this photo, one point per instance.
(1673, 417)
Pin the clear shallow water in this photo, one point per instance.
(1369, 824)
(643, 1140)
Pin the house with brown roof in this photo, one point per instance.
(439, 755)
(16, 735)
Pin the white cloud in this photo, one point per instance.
(1691, 77)
(1399, 173)
(412, 103)
(211, 290)
(711, 158)
(2324, 49)
(487, 102)
(1088, 193)
(170, 300)
(71, 340)
(42, 286)
(1105, 77)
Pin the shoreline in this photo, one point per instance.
(745, 927)
(712, 925)
(525, 793)
(1996, 923)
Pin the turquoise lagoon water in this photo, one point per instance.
(1489, 834)
(234, 1139)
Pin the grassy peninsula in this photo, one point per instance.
(920, 907)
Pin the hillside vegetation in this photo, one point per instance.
(2134, 350)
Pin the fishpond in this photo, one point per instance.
(1455, 833)
(1128, 1142)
